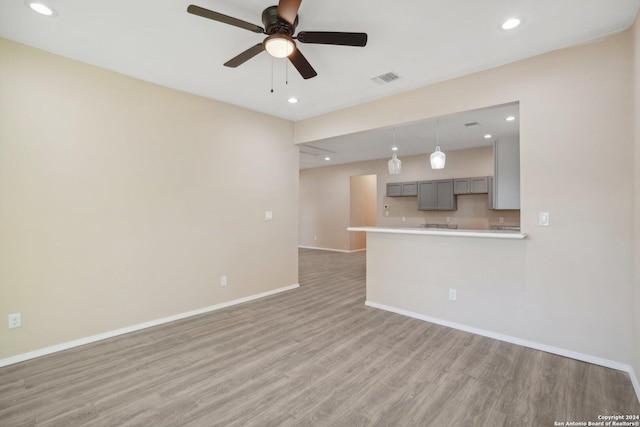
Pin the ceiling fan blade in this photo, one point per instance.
(210, 14)
(302, 65)
(329, 37)
(244, 56)
(288, 10)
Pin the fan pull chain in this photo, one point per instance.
(286, 72)
(271, 74)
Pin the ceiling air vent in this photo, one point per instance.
(386, 78)
(472, 124)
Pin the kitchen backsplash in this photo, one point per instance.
(473, 213)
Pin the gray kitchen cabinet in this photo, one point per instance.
(394, 189)
(427, 195)
(397, 189)
(506, 182)
(410, 188)
(477, 185)
(436, 195)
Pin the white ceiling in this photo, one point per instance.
(423, 41)
(452, 131)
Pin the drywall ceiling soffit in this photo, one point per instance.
(469, 129)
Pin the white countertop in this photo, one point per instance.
(487, 234)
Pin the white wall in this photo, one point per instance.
(636, 82)
(574, 103)
(123, 202)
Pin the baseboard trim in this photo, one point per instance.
(519, 341)
(87, 340)
(332, 250)
(634, 381)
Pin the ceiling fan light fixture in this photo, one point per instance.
(279, 45)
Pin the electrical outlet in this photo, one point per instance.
(501, 220)
(15, 320)
(452, 294)
(223, 280)
(448, 219)
(315, 237)
(404, 218)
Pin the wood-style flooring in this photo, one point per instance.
(314, 356)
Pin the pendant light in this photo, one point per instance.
(395, 164)
(438, 157)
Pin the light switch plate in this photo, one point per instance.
(268, 216)
(543, 219)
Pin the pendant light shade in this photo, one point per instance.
(395, 165)
(438, 158)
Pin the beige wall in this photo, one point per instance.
(123, 202)
(362, 208)
(324, 205)
(324, 198)
(578, 273)
(636, 73)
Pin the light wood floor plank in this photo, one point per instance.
(314, 356)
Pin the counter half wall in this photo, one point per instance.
(411, 271)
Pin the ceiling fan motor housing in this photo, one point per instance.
(274, 25)
(280, 24)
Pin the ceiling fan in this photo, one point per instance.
(280, 22)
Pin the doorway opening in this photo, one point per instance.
(363, 195)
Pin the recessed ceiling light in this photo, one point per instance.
(293, 100)
(327, 158)
(487, 136)
(511, 23)
(510, 118)
(41, 8)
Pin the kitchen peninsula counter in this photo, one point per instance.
(414, 271)
(487, 234)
